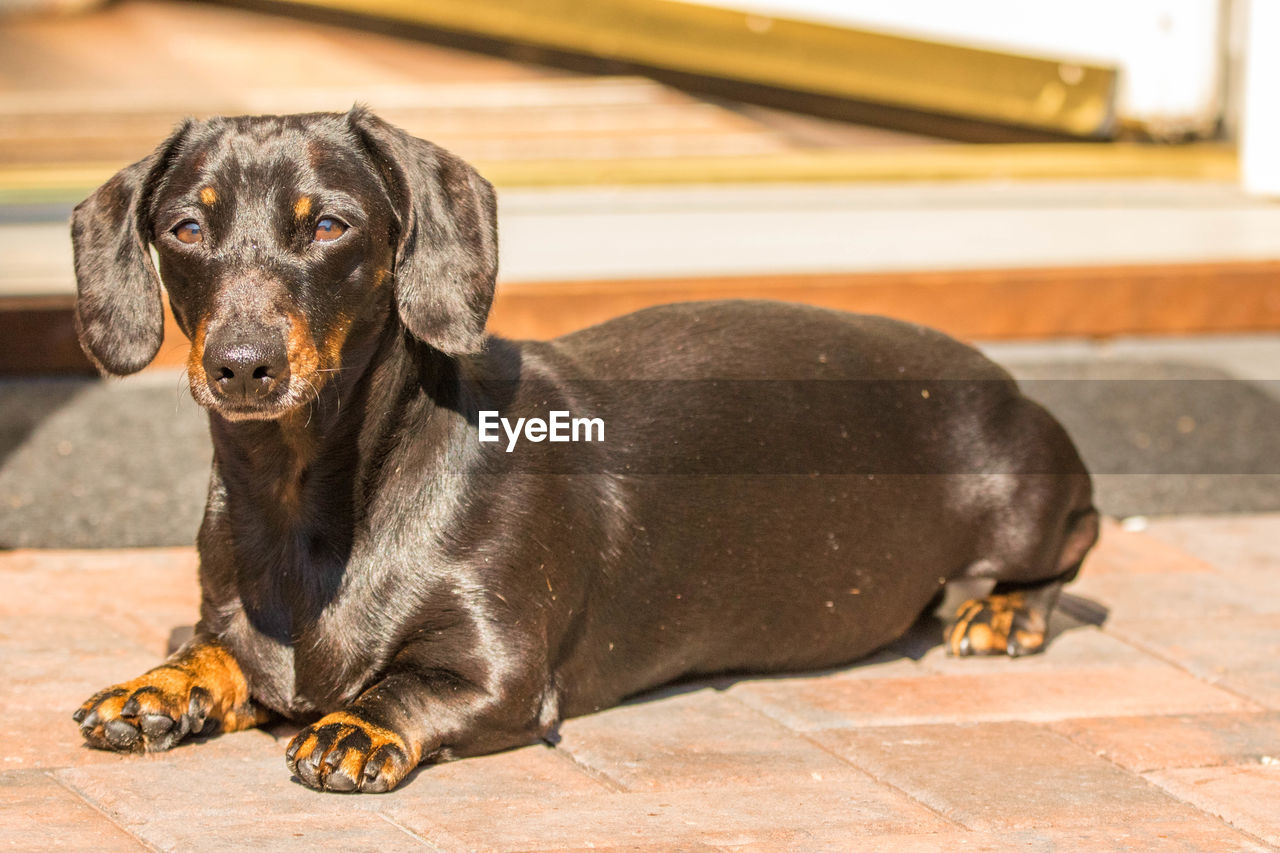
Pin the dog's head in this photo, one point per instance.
(279, 239)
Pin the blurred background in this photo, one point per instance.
(1083, 190)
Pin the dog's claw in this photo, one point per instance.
(155, 726)
(384, 770)
(122, 735)
(291, 751)
(335, 772)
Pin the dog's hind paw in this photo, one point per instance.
(342, 752)
(996, 625)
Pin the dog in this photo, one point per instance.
(772, 488)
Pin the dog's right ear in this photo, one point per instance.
(119, 312)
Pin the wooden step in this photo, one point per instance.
(1240, 296)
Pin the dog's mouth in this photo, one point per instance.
(267, 408)
(271, 403)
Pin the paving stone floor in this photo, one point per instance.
(1151, 723)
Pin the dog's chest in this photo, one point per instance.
(306, 630)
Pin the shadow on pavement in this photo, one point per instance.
(92, 464)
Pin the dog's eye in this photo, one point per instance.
(188, 232)
(329, 229)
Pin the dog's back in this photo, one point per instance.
(797, 484)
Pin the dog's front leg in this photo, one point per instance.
(408, 717)
(200, 689)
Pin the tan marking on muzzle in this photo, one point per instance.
(209, 195)
(195, 356)
(304, 360)
(335, 341)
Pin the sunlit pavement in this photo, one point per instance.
(1152, 722)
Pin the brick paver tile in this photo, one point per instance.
(534, 771)
(1245, 547)
(248, 746)
(645, 848)
(1260, 683)
(46, 740)
(1005, 776)
(1072, 647)
(51, 665)
(702, 769)
(232, 803)
(1122, 552)
(1205, 595)
(728, 816)
(141, 593)
(700, 739)
(1196, 740)
(1196, 836)
(1239, 652)
(807, 704)
(37, 813)
(73, 622)
(1246, 797)
(236, 792)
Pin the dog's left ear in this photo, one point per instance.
(447, 246)
(119, 313)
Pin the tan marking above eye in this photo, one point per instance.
(302, 208)
(328, 229)
(208, 195)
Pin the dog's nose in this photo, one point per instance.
(245, 368)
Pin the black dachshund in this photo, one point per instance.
(766, 487)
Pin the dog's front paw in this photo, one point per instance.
(151, 713)
(997, 624)
(342, 752)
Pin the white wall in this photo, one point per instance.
(1260, 110)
